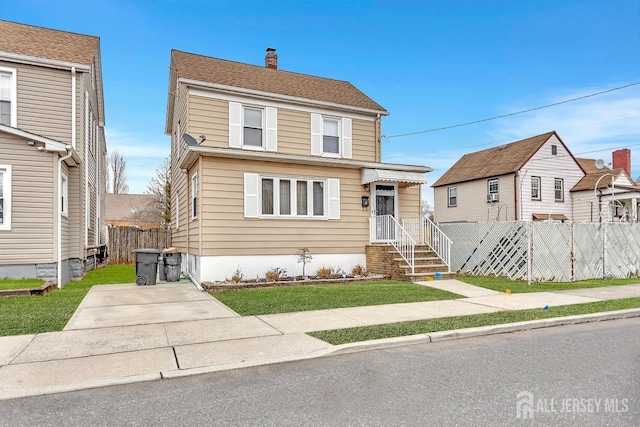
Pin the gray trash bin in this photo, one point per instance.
(146, 266)
(162, 270)
(172, 263)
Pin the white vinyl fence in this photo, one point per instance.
(545, 252)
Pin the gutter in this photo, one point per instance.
(52, 63)
(59, 212)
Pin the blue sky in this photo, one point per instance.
(429, 63)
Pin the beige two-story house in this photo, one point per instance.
(52, 153)
(266, 162)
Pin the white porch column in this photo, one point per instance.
(634, 209)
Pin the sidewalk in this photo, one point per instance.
(125, 333)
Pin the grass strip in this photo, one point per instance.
(250, 302)
(10, 284)
(390, 330)
(501, 284)
(51, 312)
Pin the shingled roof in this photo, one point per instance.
(235, 74)
(46, 43)
(496, 161)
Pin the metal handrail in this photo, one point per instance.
(385, 228)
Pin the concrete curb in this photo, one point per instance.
(483, 330)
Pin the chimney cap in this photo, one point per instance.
(271, 49)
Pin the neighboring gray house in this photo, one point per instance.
(52, 153)
(536, 179)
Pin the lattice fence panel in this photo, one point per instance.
(498, 248)
(551, 252)
(622, 250)
(587, 250)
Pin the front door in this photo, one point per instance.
(385, 204)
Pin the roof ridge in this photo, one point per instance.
(51, 29)
(260, 67)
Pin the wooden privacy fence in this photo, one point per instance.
(123, 240)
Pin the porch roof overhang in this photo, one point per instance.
(554, 217)
(193, 152)
(48, 144)
(410, 178)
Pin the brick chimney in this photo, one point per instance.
(271, 59)
(622, 159)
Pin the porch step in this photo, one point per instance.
(421, 277)
(421, 261)
(433, 268)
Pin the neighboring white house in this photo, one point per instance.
(534, 179)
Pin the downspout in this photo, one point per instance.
(195, 282)
(73, 107)
(87, 205)
(59, 213)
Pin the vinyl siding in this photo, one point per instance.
(210, 117)
(178, 178)
(225, 231)
(30, 239)
(43, 100)
(409, 202)
(64, 220)
(585, 206)
(548, 167)
(472, 205)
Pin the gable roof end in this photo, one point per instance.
(495, 161)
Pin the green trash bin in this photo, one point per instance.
(146, 266)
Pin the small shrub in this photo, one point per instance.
(338, 272)
(358, 270)
(304, 257)
(237, 276)
(276, 274)
(323, 272)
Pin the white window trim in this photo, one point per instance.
(262, 146)
(13, 95)
(194, 196)
(455, 189)
(539, 179)
(345, 137)
(6, 222)
(491, 181)
(331, 197)
(561, 180)
(64, 194)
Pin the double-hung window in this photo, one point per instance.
(64, 195)
(289, 197)
(194, 196)
(331, 136)
(5, 197)
(535, 188)
(8, 97)
(253, 127)
(558, 186)
(252, 121)
(493, 189)
(452, 199)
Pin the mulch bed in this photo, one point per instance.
(223, 287)
(42, 290)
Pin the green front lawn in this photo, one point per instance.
(390, 330)
(249, 302)
(518, 286)
(35, 314)
(8, 284)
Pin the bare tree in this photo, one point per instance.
(117, 173)
(160, 187)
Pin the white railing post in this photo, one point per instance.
(385, 228)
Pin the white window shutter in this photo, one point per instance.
(251, 181)
(334, 198)
(272, 128)
(235, 125)
(346, 138)
(316, 134)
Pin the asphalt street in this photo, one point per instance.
(587, 375)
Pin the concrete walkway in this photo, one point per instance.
(125, 333)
